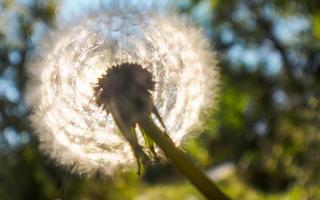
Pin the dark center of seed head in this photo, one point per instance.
(125, 89)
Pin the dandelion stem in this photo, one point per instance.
(132, 106)
(181, 161)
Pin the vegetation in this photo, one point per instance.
(266, 123)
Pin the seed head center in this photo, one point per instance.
(126, 89)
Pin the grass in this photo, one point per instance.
(232, 186)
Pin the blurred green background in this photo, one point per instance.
(262, 141)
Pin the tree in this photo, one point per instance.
(267, 121)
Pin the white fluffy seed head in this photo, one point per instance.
(78, 134)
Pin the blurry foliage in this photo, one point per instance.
(267, 121)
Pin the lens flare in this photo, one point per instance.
(77, 133)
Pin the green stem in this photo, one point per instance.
(181, 161)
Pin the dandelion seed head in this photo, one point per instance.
(77, 132)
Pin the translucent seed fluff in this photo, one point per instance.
(72, 128)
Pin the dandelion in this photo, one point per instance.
(82, 83)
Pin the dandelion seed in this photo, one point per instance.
(72, 125)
